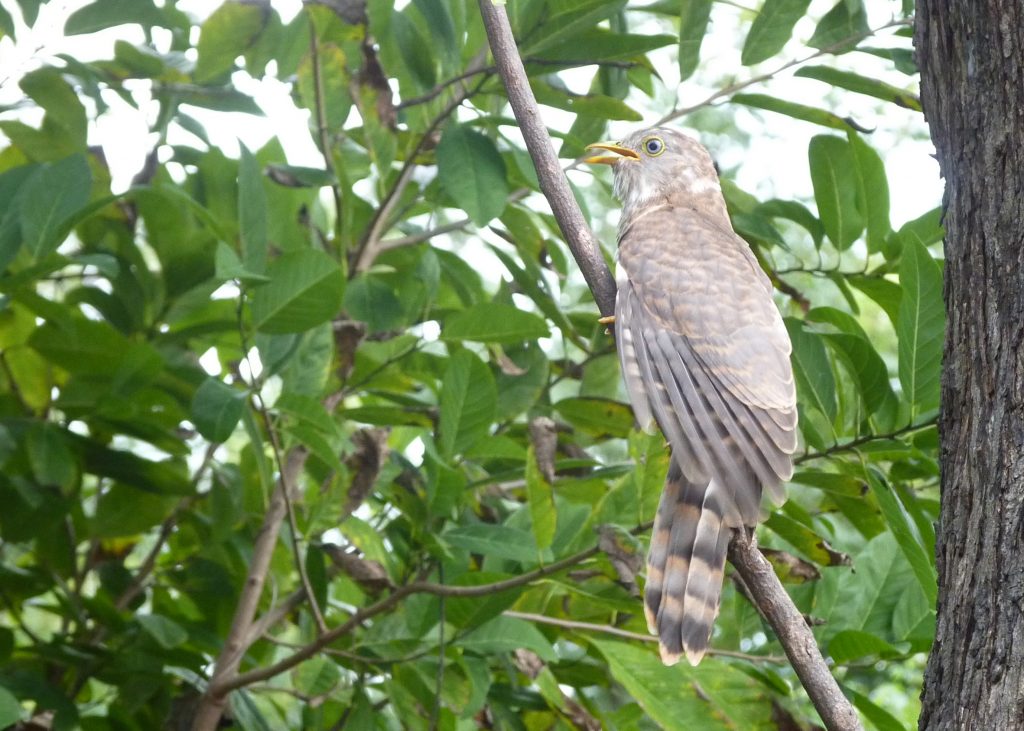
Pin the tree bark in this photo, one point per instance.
(971, 56)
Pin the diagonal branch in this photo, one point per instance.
(772, 599)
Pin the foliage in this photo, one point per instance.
(398, 337)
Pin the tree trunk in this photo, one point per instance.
(971, 56)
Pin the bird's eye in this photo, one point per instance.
(654, 146)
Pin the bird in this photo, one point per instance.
(705, 356)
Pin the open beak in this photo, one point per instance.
(621, 153)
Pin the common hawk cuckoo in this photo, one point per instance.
(704, 354)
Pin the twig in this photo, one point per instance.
(366, 250)
(323, 136)
(626, 634)
(470, 73)
(300, 565)
(832, 705)
(226, 685)
(211, 706)
(852, 445)
(740, 85)
(553, 182)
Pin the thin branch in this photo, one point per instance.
(211, 706)
(778, 607)
(740, 85)
(626, 634)
(323, 136)
(470, 73)
(300, 565)
(220, 688)
(853, 444)
(366, 250)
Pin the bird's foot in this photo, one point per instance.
(609, 320)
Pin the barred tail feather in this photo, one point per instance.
(685, 567)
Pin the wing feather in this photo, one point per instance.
(705, 354)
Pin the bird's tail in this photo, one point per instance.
(685, 567)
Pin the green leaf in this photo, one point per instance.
(10, 708)
(472, 172)
(531, 280)
(508, 634)
(770, 30)
(332, 94)
(216, 409)
(854, 347)
(6, 28)
(493, 322)
(252, 213)
(125, 511)
(52, 196)
(466, 612)
(518, 392)
(108, 13)
(53, 464)
(12, 187)
(224, 36)
(868, 596)
(316, 677)
(227, 265)
(792, 109)
(714, 696)
(845, 24)
(167, 633)
(598, 417)
(903, 530)
(499, 541)
(541, 501)
(467, 402)
(441, 26)
(853, 644)
(96, 350)
(167, 477)
(599, 44)
(861, 85)
(370, 300)
(880, 718)
(306, 289)
(805, 540)
(813, 372)
(835, 189)
(925, 229)
(886, 294)
(693, 24)
(920, 326)
(795, 212)
(872, 191)
(415, 49)
(567, 20)
(47, 87)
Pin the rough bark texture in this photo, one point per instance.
(971, 56)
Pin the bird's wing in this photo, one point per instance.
(704, 352)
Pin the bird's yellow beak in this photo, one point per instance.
(621, 153)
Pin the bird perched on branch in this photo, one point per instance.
(705, 354)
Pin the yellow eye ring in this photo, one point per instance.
(653, 146)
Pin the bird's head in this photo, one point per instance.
(657, 163)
